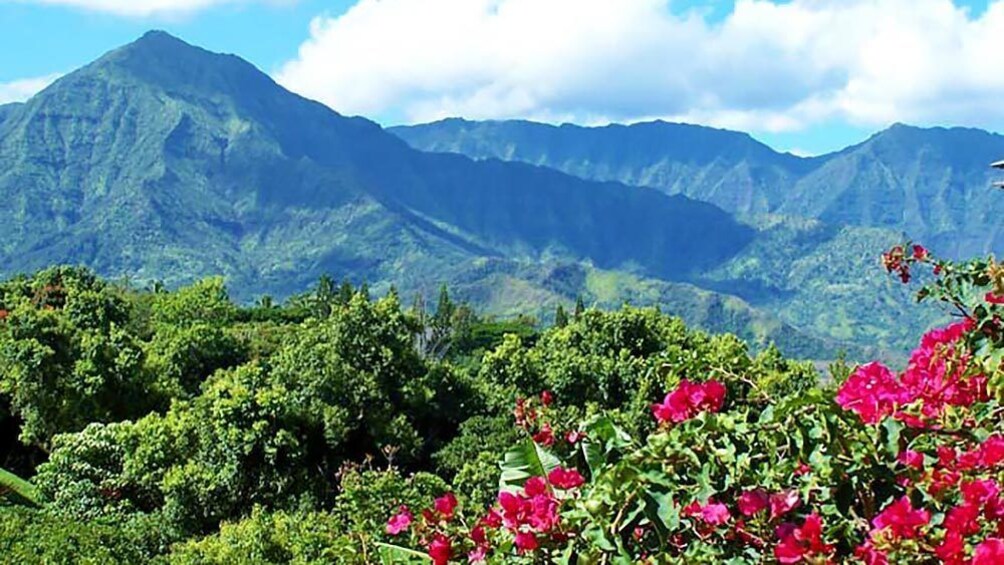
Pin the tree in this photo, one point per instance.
(560, 317)
(580, 307)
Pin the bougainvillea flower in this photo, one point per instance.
(872, 392)
(399, 522)
(573, 437)
(901, 519)
(715, 513)
(912, 459)
(525, 541)
(545, 436)
(688, 400)
(753, 501)
(783, 502)
(994, 298)
(440, 549)
(445, 505)
(565, 479)
(990, 552)
(802, 542)
(980, 492)
(870, 555)
(534, 486)
(478, 555)
(546, 398)
(952, 549)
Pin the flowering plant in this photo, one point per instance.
(881, 467)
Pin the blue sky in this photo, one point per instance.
(781, 70)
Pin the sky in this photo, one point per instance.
(806, 76)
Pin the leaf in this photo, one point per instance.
(394, 554)
(603, 438)
(18, 489)
(524, 461)
(892, 429)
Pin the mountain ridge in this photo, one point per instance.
(154, 164)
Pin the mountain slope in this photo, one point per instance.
(933, 184)
(813, 261)
(162, 160)
(729, 169)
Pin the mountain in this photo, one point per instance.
(162, 160)
(931, 184)
(822, 221)
(726, 168)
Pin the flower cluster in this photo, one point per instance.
(531, 514)
(938, 376)
(897, 261)
(528, 518)
(533, 421)
(688, 400)
(433, 528)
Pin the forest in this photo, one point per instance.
(156, 426)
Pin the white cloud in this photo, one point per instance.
(142, 8)
(766, 67)
(23, 89)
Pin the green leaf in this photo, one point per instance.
(603, 438)
(892, 428)
(394, 554)
(524, 461)
(18, 489)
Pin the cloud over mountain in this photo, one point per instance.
(765, 66)
(23, 89)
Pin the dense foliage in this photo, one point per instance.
(179, 427)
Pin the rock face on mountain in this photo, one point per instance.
(164, 161)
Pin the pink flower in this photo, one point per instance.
(440, 549)
(870, 555)
(715, 513)
(492, 519)
(565, 479)
(478, 555)
(545, 436)
(911, 459)
(802, 469)
(573, 437)
(901, 519)
(980, 492)
(546, 398)
(993, 298)
(688, 400)
(712, 513)
(872, 392)
(920, 253)
(803, 542)
(525, 542)
(783, 502)
(399, 522)
(753, 501)
(445, 505)
(990, 552)
(952, 549)
(534, 486)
